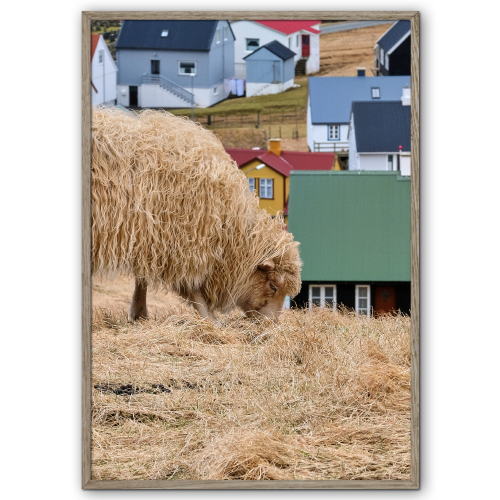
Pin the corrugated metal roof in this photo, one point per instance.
(289, 27)
(286, 162)
(382, 126)
(352, 226)
(394, 34)
(182, 35)
(331, 97)
(276, 48)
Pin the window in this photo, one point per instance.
(363, 300)
(297, 41)
(225, 31)
(164, 33)
(290, 43)
(251, 182)
(187, 68)
(217, 36)
(216, 90)
(252, 44)
(333, 132)
(375, 92)
(323, 296)
(101, 56)
(266, 189)
(381, 56)
(155, 67)
(390, 162)
(387, 62)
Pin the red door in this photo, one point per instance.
(385, 299)
(305, 45)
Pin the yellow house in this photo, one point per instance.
(268, 171)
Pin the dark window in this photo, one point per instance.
(155, 67)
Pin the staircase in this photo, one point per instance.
(300, 67)
(169, 85)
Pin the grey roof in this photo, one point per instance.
(276, 48)
(182, 35)
(394, 34)
(382, 126)
(331, 97)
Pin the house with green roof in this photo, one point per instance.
(355, 239)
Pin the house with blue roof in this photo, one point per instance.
(174, 64)
(380, 135)
(393, 51)
(329, 105)
(270, 69)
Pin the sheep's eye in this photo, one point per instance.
(274, 288)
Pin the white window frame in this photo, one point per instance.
(264, 186)
(290, 43)
(368, 300)
(101, 56)
(246, 44)
(322, 295)
(217, 35)
(336, 135)
(225, 31)
(375, 89)
(387, 62)
(164, 33)
(382, 60)
(184, 62)
(252, 183)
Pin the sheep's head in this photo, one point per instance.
(272, 281)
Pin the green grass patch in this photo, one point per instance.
(285, 101)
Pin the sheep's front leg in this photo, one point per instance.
(201, 306)
(138, 307)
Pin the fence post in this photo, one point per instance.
(258, 119)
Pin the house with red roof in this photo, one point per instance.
(103, 71)
(302, 37)
(268, 171)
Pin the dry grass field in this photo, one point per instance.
(321, 395)
(342, 52)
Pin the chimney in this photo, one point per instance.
(406, 98)
(361, 71)
(275, 146)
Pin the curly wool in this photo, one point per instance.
(169, 205)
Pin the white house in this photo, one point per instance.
(103, 70)
(330, 101)
(302, 37)
(380, 135)
(174, 63)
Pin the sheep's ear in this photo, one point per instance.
(267, 265)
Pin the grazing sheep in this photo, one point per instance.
(171, 208)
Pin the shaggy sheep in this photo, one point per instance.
(171, 208)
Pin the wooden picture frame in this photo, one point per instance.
(87, 482)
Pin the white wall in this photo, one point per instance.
(405, 163)
(353, 152)
(312, 65)
(154, 96)
(103, 75)
(267, 88)
(319, 133)
(372, 162)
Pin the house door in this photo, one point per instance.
(385, 299)
(132, 91)
(305, 45)
(155, 67)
